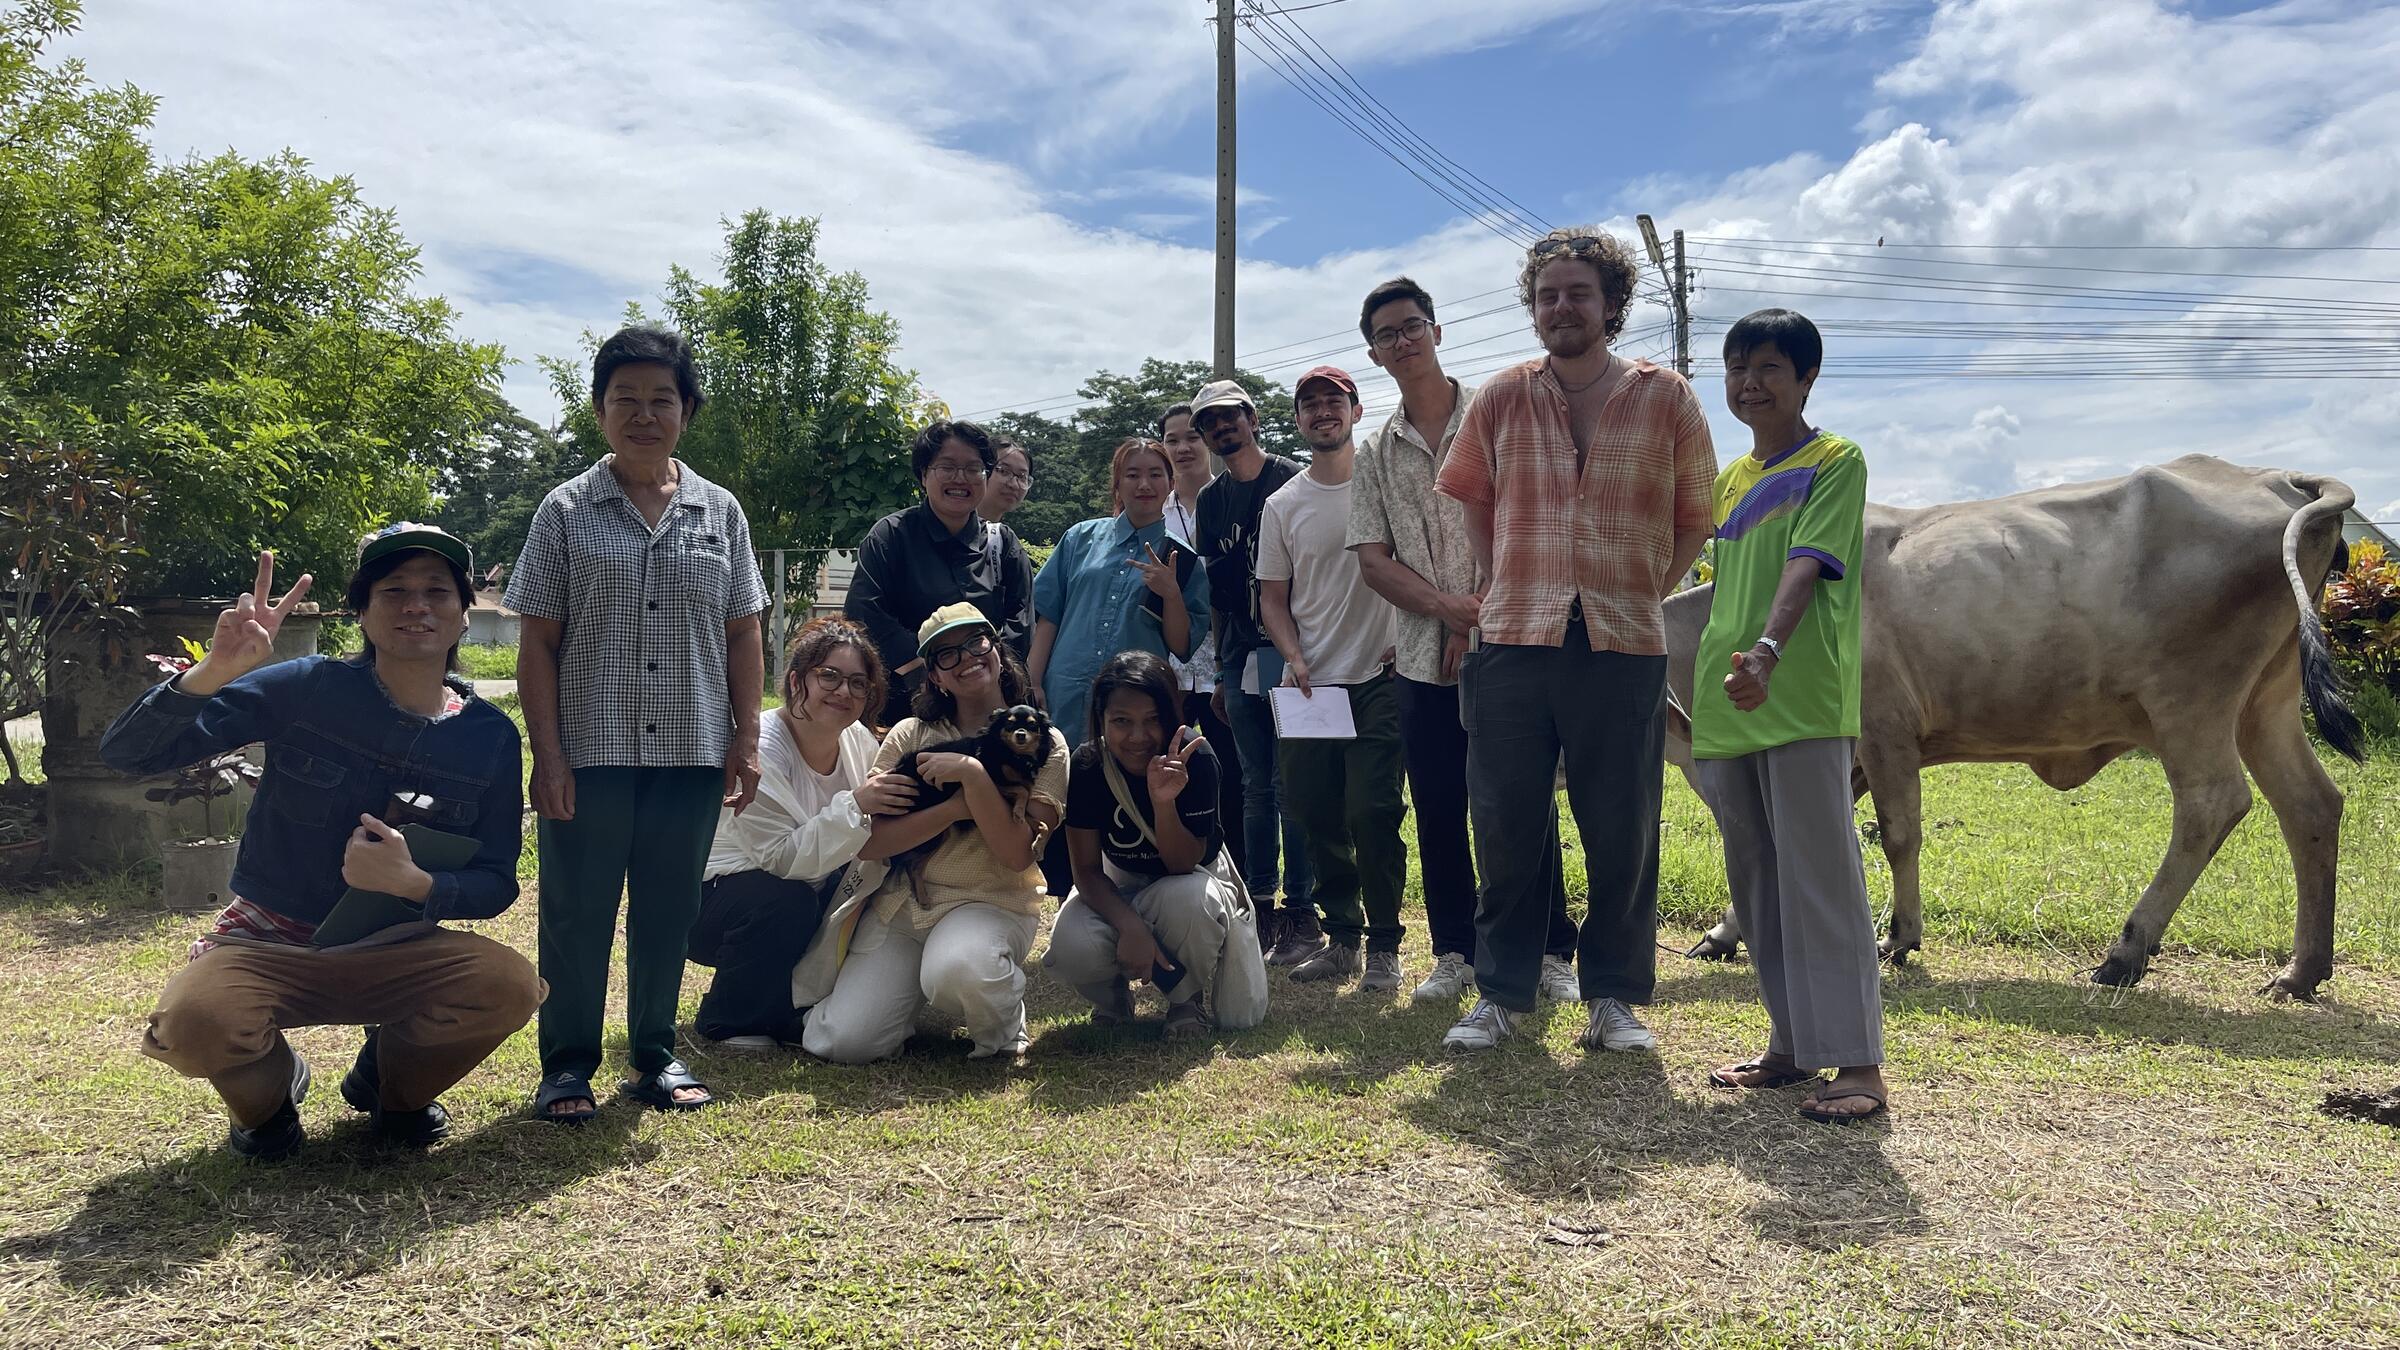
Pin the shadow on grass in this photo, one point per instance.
(1588, 1131)
(346, 1206)
(89, 909)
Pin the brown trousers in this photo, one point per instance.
(445, 1001)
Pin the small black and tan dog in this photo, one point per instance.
(1013, 747)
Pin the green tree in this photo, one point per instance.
(1070, 475)
(808, 419)
(489, 496)
(240, 336)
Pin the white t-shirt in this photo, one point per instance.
(803, 825)
(1345, 628)
(1198, 675)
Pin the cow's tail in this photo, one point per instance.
(2320, 679)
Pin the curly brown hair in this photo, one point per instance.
(814, 642)
(1606, 253)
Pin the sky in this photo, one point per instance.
(2192, 209)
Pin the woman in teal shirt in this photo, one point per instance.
(1115, 585)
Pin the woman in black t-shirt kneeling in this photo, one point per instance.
(1154, 899)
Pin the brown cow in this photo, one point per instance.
(2171, 610)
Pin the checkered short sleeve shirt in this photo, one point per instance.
(642, 680)
(1607, 540)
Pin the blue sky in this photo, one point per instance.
(1026, 188)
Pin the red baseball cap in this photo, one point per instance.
(1338, 376)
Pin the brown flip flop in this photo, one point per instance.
(1777, 1077)
(1813, 1111)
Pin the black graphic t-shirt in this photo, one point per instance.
(1227, 540)
(1091, 806)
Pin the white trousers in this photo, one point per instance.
(969, 967)
(1187, 916)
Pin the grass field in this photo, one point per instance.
(2064, 1165)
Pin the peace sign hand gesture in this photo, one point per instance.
(245, 636)
(1170, 771)
(1159, 573)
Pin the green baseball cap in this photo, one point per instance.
(403, 535)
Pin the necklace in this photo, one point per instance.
(1579, 388)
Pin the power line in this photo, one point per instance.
(2092, 248)
(1878, 252)
(1407, 133)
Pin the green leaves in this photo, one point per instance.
(238, 335)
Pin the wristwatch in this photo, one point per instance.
(1774, 648)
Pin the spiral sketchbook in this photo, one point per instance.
(1320, 716)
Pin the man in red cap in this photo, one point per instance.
(1336, 634)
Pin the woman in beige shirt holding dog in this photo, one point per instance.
(953, 929)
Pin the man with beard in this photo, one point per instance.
(1412, 550)
(1335, 636)
(1247, 664)
(1588, 481)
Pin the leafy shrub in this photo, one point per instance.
(2361, 610)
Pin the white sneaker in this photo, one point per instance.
(1450, 978)
(1383, 971)
(747, 1045)
(1614, 1027)
(1558, 982)
(1482, 1029)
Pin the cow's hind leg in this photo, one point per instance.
(1895, 774)
(2309, 808)
(2211, 797)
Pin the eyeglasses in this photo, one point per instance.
(831, 681)
(1414, 330)
(1013, 476)
(948, 658)
(1573, 243)
(949, 469)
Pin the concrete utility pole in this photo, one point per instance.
(1225, 99)
(1679, 291)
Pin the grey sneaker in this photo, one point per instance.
(1302, 938)
(1614, 1027)
(1450, 978)
(1558, 982)
(1331, 962)
(1482, 1029)
(1383, 971)
(747, 1045)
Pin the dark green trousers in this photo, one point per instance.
(642, 834)
(1346, 796)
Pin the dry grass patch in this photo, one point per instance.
(2064, 1166)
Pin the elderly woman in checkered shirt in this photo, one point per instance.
(639, 669)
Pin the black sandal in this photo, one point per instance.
(1814, 1107)
(1776, 1076)
(564, 1086)
(658, 1089)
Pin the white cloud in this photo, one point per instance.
(552, 169)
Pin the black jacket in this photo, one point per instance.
(909, 566)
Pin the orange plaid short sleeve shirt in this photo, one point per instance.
(1608, 540)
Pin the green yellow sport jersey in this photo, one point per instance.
(1808, 502)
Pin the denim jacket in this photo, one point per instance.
(338, 746)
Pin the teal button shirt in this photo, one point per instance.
(1090, 589)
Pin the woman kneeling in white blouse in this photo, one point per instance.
(777, 868)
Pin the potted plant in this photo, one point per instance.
(198, 873)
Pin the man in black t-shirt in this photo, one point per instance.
(1247, 665)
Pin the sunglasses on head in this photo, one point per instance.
(1571, 244)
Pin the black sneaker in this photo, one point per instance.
(278, 1136)
(1301, 939)
(361, 1087)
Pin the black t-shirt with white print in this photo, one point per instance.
(1091, 806)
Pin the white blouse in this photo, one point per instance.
(803, 825)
